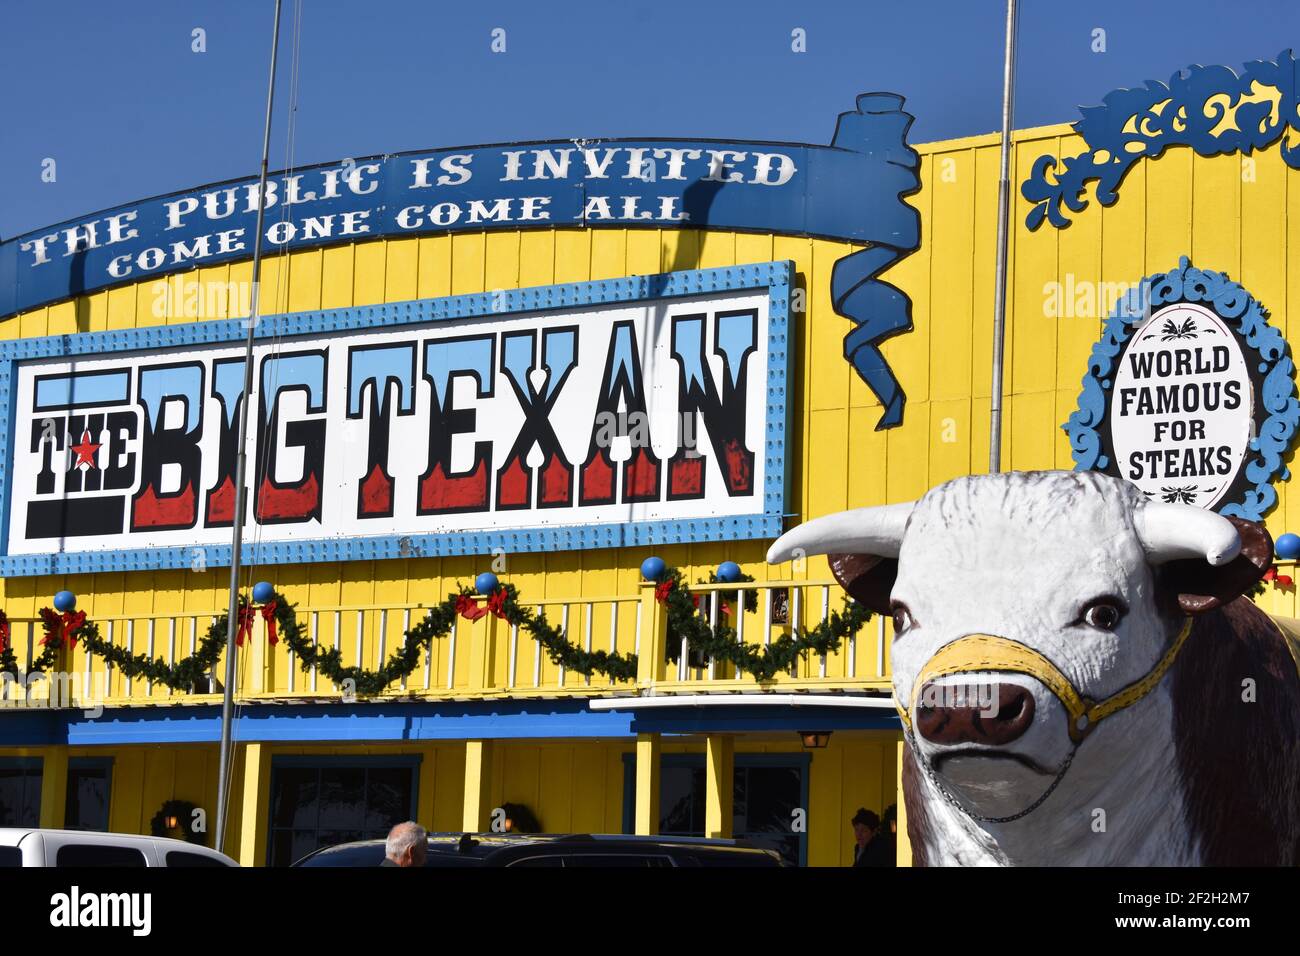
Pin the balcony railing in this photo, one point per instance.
(483, 658)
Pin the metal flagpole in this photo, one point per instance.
(1004, 215)
(241, 466)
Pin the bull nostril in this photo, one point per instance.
(1012, 709)
(974, 724)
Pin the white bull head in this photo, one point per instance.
(1035, 615)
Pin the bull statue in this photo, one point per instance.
(1078, 676)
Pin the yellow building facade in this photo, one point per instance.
(501, 724)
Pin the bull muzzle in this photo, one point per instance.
(985, 653)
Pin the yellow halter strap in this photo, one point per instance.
(983, 652)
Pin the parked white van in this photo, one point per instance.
(85, 848)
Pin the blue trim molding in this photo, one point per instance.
(1212, 109)
(406, 721)
(1277, 412)
(775, 277)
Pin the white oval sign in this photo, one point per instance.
(1182, 407)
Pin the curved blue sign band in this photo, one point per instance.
(851, 190)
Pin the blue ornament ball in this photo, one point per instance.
(263, 592)
(486, 583)
(1287, 547)
(652, 569)
(65, 601)
(728, 572)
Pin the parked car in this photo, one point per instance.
(83, 848)
(550, 849)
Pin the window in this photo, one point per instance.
(10, 856)
(91, 854)
(681, 800)
(89, 782)
(316, 802)
(20, 792)
(765, 800)
(768, 789)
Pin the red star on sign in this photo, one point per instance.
(85, 451)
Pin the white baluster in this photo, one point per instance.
(636, 646)
(714, 601)
(853, 655)
(314, 624)
(796, 602)
(130, 648)
(514, 654)
(451, 656)
(406, 629)
(826, 613)
(537, 655)
(587, 638)
(765, 595)
(564, 629)
(741, 597)
(361, 638)
(338, 634)
(293, 666)
(171, 646)
(148, 686)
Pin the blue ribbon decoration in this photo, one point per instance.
(877, 129)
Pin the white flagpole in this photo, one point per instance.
(241, 467)
(1004, 215)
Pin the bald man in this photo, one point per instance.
(406, 845)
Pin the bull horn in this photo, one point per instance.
(877, 531)
(1169, 532)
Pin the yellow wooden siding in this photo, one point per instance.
(1172, 206)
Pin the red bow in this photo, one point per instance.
(246, 618)
(268, 615)
(468, 608)
(1281, 580)
(4, 634)
(663, 589)
(65, 626)
(245, 628)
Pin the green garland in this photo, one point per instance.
(762, 661)
(684, 620)
(50, 620)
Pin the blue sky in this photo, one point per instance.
(111, 90)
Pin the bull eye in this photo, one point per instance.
(1103, 615)
(902, 618)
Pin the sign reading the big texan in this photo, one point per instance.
(628, 411)
(852, 190)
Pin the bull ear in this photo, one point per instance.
(1195, 586)
(867, 578)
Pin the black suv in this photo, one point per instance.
(575, 849)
